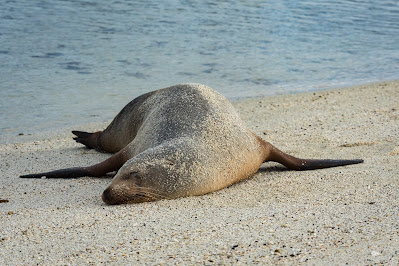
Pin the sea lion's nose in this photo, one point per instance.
(106, 197)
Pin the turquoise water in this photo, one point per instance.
(71, 62)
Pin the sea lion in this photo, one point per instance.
(179, 141)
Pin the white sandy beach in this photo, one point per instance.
(332, 216)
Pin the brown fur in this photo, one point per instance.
(184, 140)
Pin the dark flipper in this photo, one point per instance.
(62, 173)
(298, 164)
(111, 164)
(311, 164)
(90, 140)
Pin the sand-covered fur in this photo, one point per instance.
(184, 140)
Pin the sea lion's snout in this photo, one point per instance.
(123, 194)
(107, 197)
(115, 194)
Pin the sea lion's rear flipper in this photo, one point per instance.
(90, 140)
(298, 164)
(111, 164)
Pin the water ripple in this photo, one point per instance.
(61, 60)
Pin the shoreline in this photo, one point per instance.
(335, 216)
(22, 135)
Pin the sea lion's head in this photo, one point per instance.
(135, 184)
(167, 171)
(125, 190)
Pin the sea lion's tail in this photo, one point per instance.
(90, 140)
(298, 164)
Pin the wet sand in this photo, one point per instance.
(331, 216)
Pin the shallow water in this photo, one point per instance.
(72, 62)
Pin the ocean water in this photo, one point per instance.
(68, 62)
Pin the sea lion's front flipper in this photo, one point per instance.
(298, 164)
(62, 173)
(111, 164)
